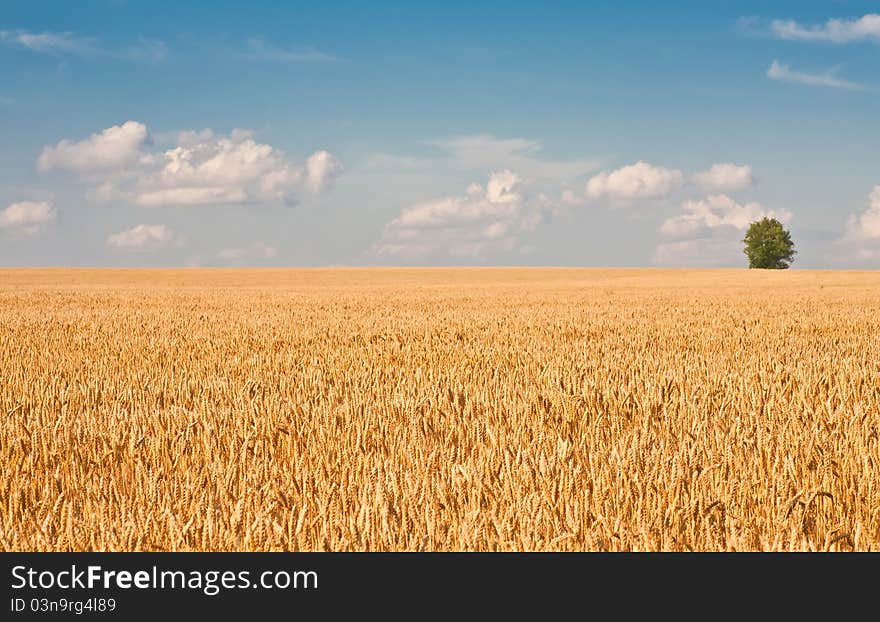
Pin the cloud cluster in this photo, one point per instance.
(707, 229)
(784, 73)
(26, 216)
(834, 30)
(717, 211)
(486, 219)
(636, 181)
(210, 170)
(143, 238)
(201, 169)
(701, 233)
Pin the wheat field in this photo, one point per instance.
(439, 409)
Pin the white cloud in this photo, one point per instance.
(717, 211)
(636, 181)
(259, 50)
(143, 238)
(725, 177)
(482, 221)
(642, 182)
(866, 225)
(784, 73)
(834, 30)
(257, 250)
(208, 170)
(27, 216)
(115, 147)
(321, 169)
(201, 169)
(61, 43)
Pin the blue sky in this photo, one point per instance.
(343, 133)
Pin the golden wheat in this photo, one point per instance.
(438, 409)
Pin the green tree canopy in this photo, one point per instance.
(769, 245)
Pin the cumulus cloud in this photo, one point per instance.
(201, 169)
(636, 181)
(257, 250)
(115, 147)
(143, 238)
(208, 170)
(68, 43)
(725, 177)
(27, 216)
(866, 225)
(717, 211)
(834, 30)
(486, 219)
(784, 73)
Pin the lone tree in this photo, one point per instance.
(768, 245)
